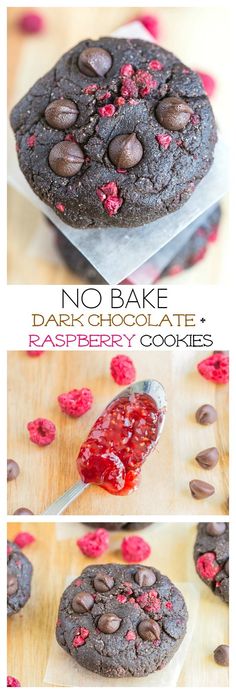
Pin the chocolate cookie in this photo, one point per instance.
(19, 573)
(118, 133)
(121, 621)
(119, 526)
(211, 556)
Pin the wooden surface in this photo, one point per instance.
(35, 383)
(183, 30)
(30, 632)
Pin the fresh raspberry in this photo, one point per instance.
(90, 89)
(31, 23)
(155, 65)
(135, 549)
(12, 681)
(95, 543)
(80, 637)
(150, 602)
(24, 539)
(112, 204)
(76, 402)
(129, 88)
(106, 111)
(60, 207)
(34, 353)
(122, 370)
(31, 141)
(195, 119)
(163, 140)
(207, 566)
(215, 368)
(121, 598)
(208, 82)
(119, 101)
(150, 22)
(130, 636)
(127, 70)
(41, 431)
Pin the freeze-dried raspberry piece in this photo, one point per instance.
(195, 119)
(94, 544)
(119, 101)
(169, 605)
(122, 370)
(34, 352)
(127, 70)
(41, 431)
(24, 539)
(108, 194)
(112, 204)
(31, 23)
(106, 111)
(215, 368)
(76, 402)
(150, 602)
(12, 681)
(31, 141)
(164, 140)
(208, 82)
(60, 207)
(134, 549)
(130, 636)
(207, 566)
(129, 88)
(80, 637)
(121, 598)
(90, 89)
(155, 65)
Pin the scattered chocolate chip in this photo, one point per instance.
(200, 489)
(61, 113)
(145, 577)
(95, 62)
(215, 529)
(12, 584)
(109, 623)
(173, 113)
(226, 567)
(103, 582)
(208, 458)
(66, 158)
(23, 512)
(13, 470)
(206, 414)
(125, 151)
(149, 630)
(82, 602)
(221, 655)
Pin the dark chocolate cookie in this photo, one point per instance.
(19, 573)
(211, 556)
(118, 133)
(121, 621)
(119, 526)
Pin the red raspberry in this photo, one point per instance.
(130, 636)
(207, 566)
(112, 204)
(127, 70)
(12, 681)
(90, 89)
(155, 65)
(106, 111)
(94, 544)
(31, 23)
(34, 353)
(60, 207)
(150, 22)
(31, 140)
(76, 402)
(163, 140)
(41, 431)
(120, 101)
(122, 370)
(80, 637)
(149, 601)
(24, 539)
(129, 88)
(208, 82)
(215, 368)
(135, 549)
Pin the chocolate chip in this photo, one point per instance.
(215, 529)
(206, 414)
(13, 470)
(103, 582)
(145, 577)
(173, 113)
(82, 602)
(125, 151)
(208, 458)
(226, 567)
(61, 113)
(23, 512)
(95, 62)
(12, 584)
(66, 158)
(109, 623)
(200, 489)
(149, 630)
(221, 655)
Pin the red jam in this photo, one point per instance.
(119, 443)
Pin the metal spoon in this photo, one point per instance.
(149, 387)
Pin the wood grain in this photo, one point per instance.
(33, 387)
(180, 29)
(30, 632)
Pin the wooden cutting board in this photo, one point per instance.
(30, 632)
(33, 387)
(180, 29)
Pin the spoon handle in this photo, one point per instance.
(65, 500)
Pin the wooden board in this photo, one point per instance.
(33, 387)
(180, 32)
(30, 632)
